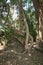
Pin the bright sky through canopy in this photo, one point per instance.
(14, 15)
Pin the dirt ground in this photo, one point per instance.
(9, 56)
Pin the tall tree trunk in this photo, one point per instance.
(38, 4)
(25, 22)
(21, 16)
(42, 24)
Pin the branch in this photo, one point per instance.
(7, 15)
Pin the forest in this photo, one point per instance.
(21, 32)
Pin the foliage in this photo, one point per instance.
(5, 15)
(31, 23)
(14, 2)
(8, 33)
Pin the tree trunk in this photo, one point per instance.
(25, 22)
(21, 16)
(38, 4)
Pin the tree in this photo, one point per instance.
(25, 22)
(39, 16)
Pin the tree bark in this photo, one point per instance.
(26, 25)
(38, 5)
(21, 16)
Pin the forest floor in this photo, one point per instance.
(9, 56)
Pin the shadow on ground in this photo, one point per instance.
(9, 56)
